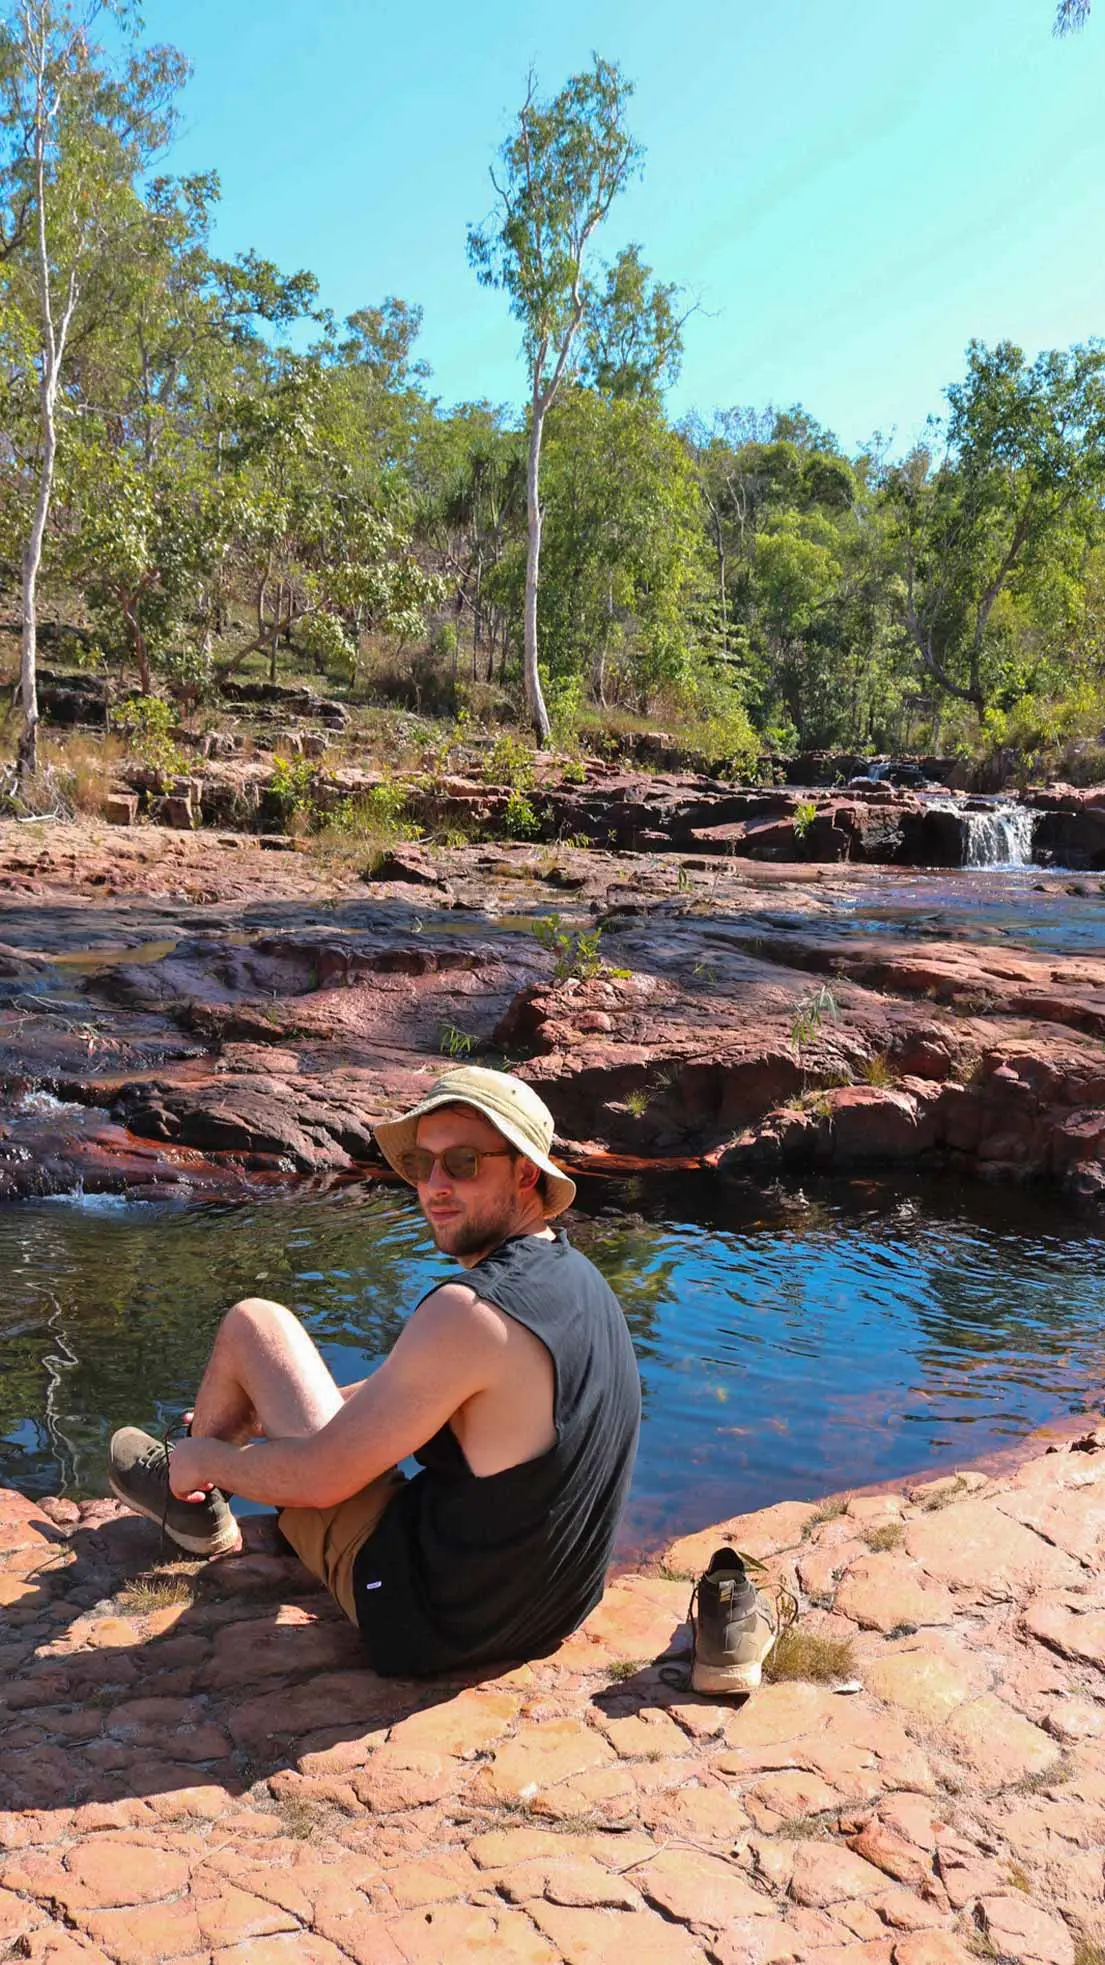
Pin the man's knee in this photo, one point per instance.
(256, 1316)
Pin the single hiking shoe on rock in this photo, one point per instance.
(734, 1627)
(138, 1472)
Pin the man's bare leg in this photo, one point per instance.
(265, 1377)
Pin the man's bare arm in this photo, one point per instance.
(451, 1349)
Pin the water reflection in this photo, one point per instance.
(814, 1339)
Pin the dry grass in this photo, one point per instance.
(954, 1491)
(1087, 1951)
(87, 767)
(804, 1655)
(826, 1511)
(159, 1589)
(806, 1828)
(887, 1535)
(877, 1070)
(306, 1819)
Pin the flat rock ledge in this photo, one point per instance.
(197, 1767)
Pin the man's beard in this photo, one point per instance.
(477, 1235)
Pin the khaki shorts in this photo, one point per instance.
(328, 1540)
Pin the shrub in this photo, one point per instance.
(576, 951)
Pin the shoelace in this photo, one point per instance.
(786, 1616)
(785, 1601)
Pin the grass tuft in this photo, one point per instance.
(159, 1589)
(953, 1492)
(1087, 1951)
(805, 1655)
(826, 1511)
(624, 1668)
(306, 1819)
(886, 1535)
(805, 1828)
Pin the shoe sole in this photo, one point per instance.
(726, 1678)
(195, 1545)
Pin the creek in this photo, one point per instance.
(791, 1343)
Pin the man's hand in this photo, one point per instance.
(186, 1470)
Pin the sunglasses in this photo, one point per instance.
(459, 1162)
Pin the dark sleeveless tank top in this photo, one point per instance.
(463, 1569)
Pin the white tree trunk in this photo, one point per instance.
(535, 701)
(32, 560)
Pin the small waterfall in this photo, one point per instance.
(999, 838)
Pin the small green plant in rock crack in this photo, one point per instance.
(575, 951)
(623, 1668)
(805, 812)
(453, 1042)
(637, 1102)
(809, 1015)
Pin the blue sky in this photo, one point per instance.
(849, 192)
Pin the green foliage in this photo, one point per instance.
(378, 815)
(805, 812)
(145, 722)
(241, 481)
(292, 787)
(509, 762)
(520, 820)
(454, 1042)
(575, 950)
(810, 1014)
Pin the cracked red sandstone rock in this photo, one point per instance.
(156, 1803)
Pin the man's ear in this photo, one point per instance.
(531, 1174)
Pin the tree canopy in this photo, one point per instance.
(203, 472)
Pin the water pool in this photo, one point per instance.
(814, 1338)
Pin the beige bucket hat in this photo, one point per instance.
(513, 1107)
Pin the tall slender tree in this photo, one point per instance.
(559, 172)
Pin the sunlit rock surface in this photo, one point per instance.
(198, 1766)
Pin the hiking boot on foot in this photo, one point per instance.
(138, 1472)
(734, 1627)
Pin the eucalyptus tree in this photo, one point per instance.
(1071, 14)
(1001, 510)
(626, 558)
(173, 336)
(559, 173)
(78, 127)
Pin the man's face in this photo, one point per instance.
(468, 1218)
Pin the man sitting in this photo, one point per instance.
(513, 1383)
